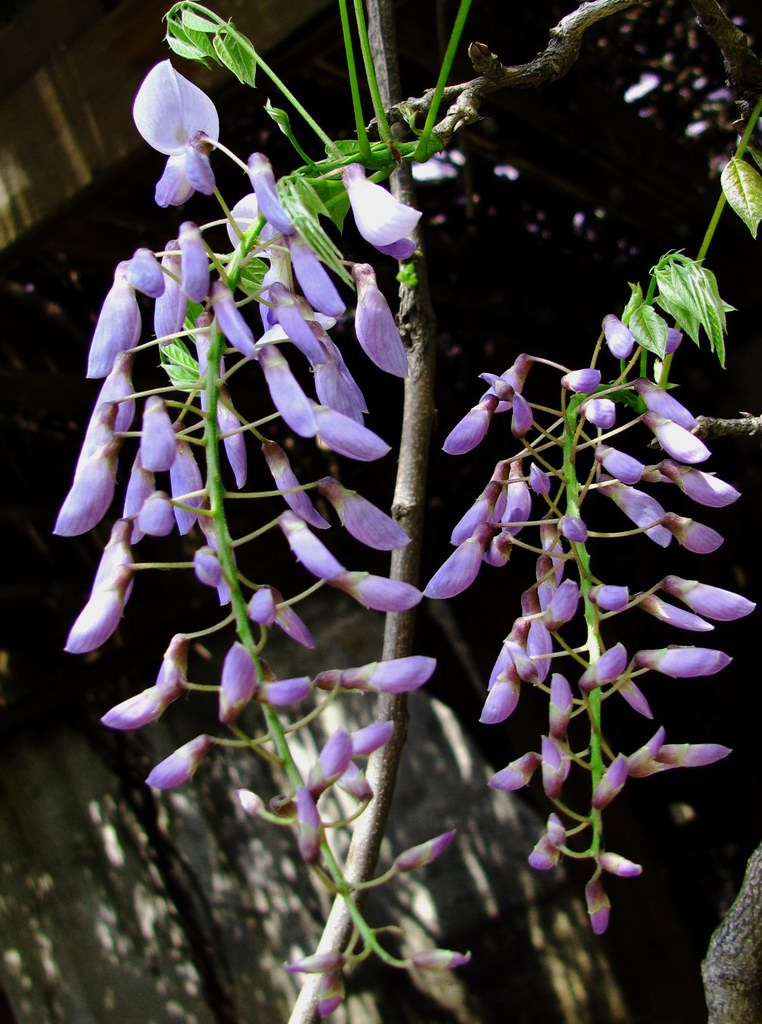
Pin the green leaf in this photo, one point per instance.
(650, 329)
(742, 186)
(195, 21)
(181, 367)
(349, 147)
(237, 54)
(636, 299)
(408, 275)
(188, 41)
(251, 276)
(185, 50)
(337, 206)
(304, 206)
(689, 293)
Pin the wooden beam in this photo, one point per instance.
(70, 120)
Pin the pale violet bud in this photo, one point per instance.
(309, 830)
(287, 620)
(662, 403)
(676, 441)
(396, 675)
(286, 480)
(145, 275)
(539, 480)
(263, 183)
(643, 762)
(365, 741)
(612, 782)
(601, 412)
(563, 606)
(704, 488)
(313, 279)
(618, 865)
(690, 755)
(683, 662)
(380, 218)
(354, 782)
(619, 339)
(618, 464)
(462, 567)
(180, 767)
(137, 711)
(472, 429)
(194, 262)
(573, 529)
(295, 317)
(231, 321)
(375, 326)
(555, 767)
(330, 993)
(582, 382)
(262, 608)
(641, 508)
(502, 700)
(713, 602)
(598, 906)
(156, 517)
(100, 617)
(185, 480)
(517, 774)
(522, 417)
(482, 511)
(606, 669)
(207, 567)
(118, 327)
(311, 552)
(693, 536)
(440, 959)
(287, 395)
(610, 598)
(343, 435)
(233, 440)
(283, 692)
(545, 854)
(117, 389)
(361, 519)
(673, 616)
(635, 697)
(250, 802)
(561, 705)
(318, 963)
(238, 683)
(416, 856)
(158, 446)
(377, 592)
(197, 166)
(332, 762)
(674, 337)
(91, 492)
(170, 307)
(116, 555)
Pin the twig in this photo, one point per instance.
(558, 57)
(742, 66)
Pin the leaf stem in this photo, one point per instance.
(422, 150)
(354, 85)
(384, 130)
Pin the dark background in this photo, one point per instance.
(558, 198)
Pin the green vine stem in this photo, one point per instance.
(370, 73)
(354, 85)
(422, 150)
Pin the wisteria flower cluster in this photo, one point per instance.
(266, 305)
(563, 642)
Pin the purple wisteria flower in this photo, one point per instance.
(641, 508)
(619, 339)
(582, 382)
(145, 275)
(462, 567)
(375, 326)
(172, 114)
(703, 488)
(194, 262)
(347, 437)
(313, 279)
(380, 218)
(263, 183)
(664, 405)
(713, 602)
(286, 393)
(312, 553)
(619, 465)
(424, 853)
(683, 662)
(91, 492)
(472, 429)
(601, 412)
(185, 482)
(118, 327)
(286, 480)
(361, 519)
(180, 767)
(231, 321)
(377, 592)
(170, 307)
(158, 445)
(676, 441)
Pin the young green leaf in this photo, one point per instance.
(180, 366)
(237, 54)
(304, 206)
(191, 20)
(689, 293)
(635, 300)
(650, 329)
(282, 120)
(742, 186)
(251, 276)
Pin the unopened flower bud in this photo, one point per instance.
(617, 865)
(416, 856)
(180, 767)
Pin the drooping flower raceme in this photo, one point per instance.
(178, 479)
(571, 588)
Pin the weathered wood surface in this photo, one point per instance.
(118, 906)
(65, 112)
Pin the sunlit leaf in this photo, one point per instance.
(251, 276)
(742, 186)
(180, 366)
(237, 54)
(636, 299)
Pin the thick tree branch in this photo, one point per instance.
(558, 57)
(746, 426)
(742, 66)
(732, 970)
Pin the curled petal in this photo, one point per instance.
(169, 109)
(375, 326)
